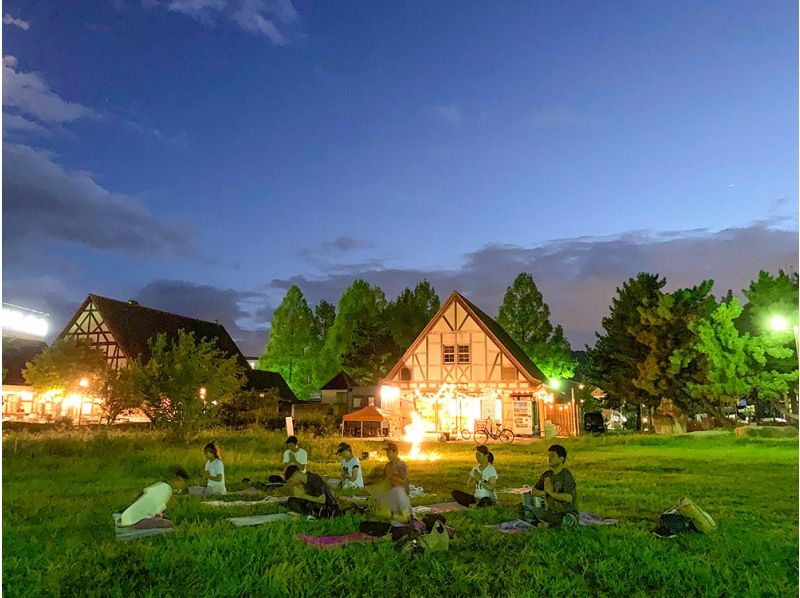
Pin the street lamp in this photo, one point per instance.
(780, 324)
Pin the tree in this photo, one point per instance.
(774, 352)
(172, 382)
(612, 364)
(293, 343)
(372, 352)
(719, 357)
(63, 365)
(361, 308)
(324, 315)
(665, 329)
(116, 390)
(526, 318)
(250, 408)
(411, 311)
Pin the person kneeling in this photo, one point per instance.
(311, 495)
(557, 486)
(483, 478)
(147, 510)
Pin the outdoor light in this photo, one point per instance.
(581, 386)
(779, 323)
(24, 322)
(555, 384)
(389, 393)
(203, 392)
(84, 383)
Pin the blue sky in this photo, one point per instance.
(221, 149)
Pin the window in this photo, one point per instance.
(463, 353)
(508, 373)
(449, 353)
(356, 402)
(405, 374)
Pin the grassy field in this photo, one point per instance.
(59, 493)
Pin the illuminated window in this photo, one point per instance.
(463, 353)
(449, 354)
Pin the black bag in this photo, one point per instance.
(673, 524)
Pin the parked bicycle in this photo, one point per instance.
(482, 435)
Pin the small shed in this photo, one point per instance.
(367, 422)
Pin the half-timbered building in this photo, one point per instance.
(121, 330)
(464, 371)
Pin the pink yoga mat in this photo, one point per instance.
(331, 541)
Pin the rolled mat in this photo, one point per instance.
(334, 541)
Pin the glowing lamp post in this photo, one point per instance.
(780, 324)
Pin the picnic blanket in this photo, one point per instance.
(442, 507)
(519, 525)
(240, 503)
(259, 519)
(333, 541)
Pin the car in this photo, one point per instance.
(593, 422)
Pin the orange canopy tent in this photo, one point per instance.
(369, 415)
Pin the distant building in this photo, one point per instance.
(23, 339)
(464, 371)
(343, 390)
(121, 330)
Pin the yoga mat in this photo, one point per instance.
(259, 519)
(442, 507)
(241, 503)
(520, 490)
(518, 525)
(333, 541)
(134, 534)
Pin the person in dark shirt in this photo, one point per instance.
(396, 470)
(311, 495)
(557, 487)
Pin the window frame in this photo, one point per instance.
(445, 354)
(468, 354)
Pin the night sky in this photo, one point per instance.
(202, 155)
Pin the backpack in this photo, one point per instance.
(436, 540)
(673, 524)
(702, 521)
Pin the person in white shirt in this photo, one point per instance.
(147, 510)
(214, 470)
(351, 468)
(483, 477)
(293, 455)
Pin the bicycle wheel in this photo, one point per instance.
(506, 436)
(481, 437)
(466, 434)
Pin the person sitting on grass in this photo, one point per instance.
(310, 494)
(557, 486)
(483, 477)
(292, 455)
(214, 472)
(351, 468)
(147, 510)
(391, 493)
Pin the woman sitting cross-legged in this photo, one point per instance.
(484, 479)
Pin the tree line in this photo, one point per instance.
(365, 334)
(703, 353)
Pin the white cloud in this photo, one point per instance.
(28, 93)
(18, 123)
(554, 116)
(9, 20)
(449, 113)
(264, 17)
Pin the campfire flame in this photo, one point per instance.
(415, 433)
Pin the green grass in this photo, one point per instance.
(59, 492)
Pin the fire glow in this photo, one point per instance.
(414, 433)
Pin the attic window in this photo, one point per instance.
(508, 373)
(448, 354)
(463, 353)
(405, 374)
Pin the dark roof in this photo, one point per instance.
(263, 380)
(132, 325)
(16, 353)
(340, 381)
(509, 343)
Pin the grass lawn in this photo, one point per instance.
(59, 492)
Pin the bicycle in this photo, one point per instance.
(504, 435)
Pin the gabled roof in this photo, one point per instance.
(491, 328)
(16, 353)
(262, 380)
(341, 381)
(132, 325)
